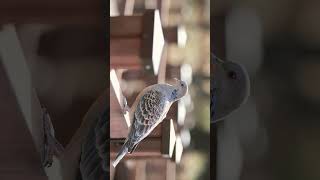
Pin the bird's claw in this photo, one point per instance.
(47, 158)
(126, 108)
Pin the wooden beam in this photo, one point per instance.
(149, 147)
(116, 91)
(178, 150)
(160, 143)
(129, 7)
(168, 138)
(136, 42)
(170, 170)
(126, 26)
(171, 34)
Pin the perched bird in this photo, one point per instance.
(148, 110)
(229, 88)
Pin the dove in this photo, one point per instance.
(229, 88)
(148, 110)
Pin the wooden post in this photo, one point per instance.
(160, 143)
(136, 42)
(171, 34)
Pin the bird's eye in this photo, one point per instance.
(182, 85)
(232, 75)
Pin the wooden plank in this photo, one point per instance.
(170, 170)
(178, 150)
(129, 7)
(137, 41)
(168, 138)
(149, 147)
(140, 170)
(125, 47)
(116, 89)
(153, 40)
(126, 26)
(158, 143)
(171, 34)
(163, 66)
(125, 62)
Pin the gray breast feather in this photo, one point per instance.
(148, 112)
(150, 108)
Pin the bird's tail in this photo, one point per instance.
(123, 151)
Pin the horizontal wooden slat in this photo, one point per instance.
(126, 26)
(126, 62)
(149, 147)
(125, 47)
(168, 138)
(171, 34)
(136, 42)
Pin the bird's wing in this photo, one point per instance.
(148, 114)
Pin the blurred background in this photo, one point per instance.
(275, 135)
(186, 28)
(52, 55)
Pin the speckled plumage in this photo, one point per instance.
(149, 109)
(148, 114)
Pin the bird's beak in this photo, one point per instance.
(177, 80)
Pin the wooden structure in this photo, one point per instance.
(136, 42)
(155, 169)
(130, 7)
(133, 41)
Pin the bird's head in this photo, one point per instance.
(231, 87)
(180, 89)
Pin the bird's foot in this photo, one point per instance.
(126, 108)
(47, 157)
